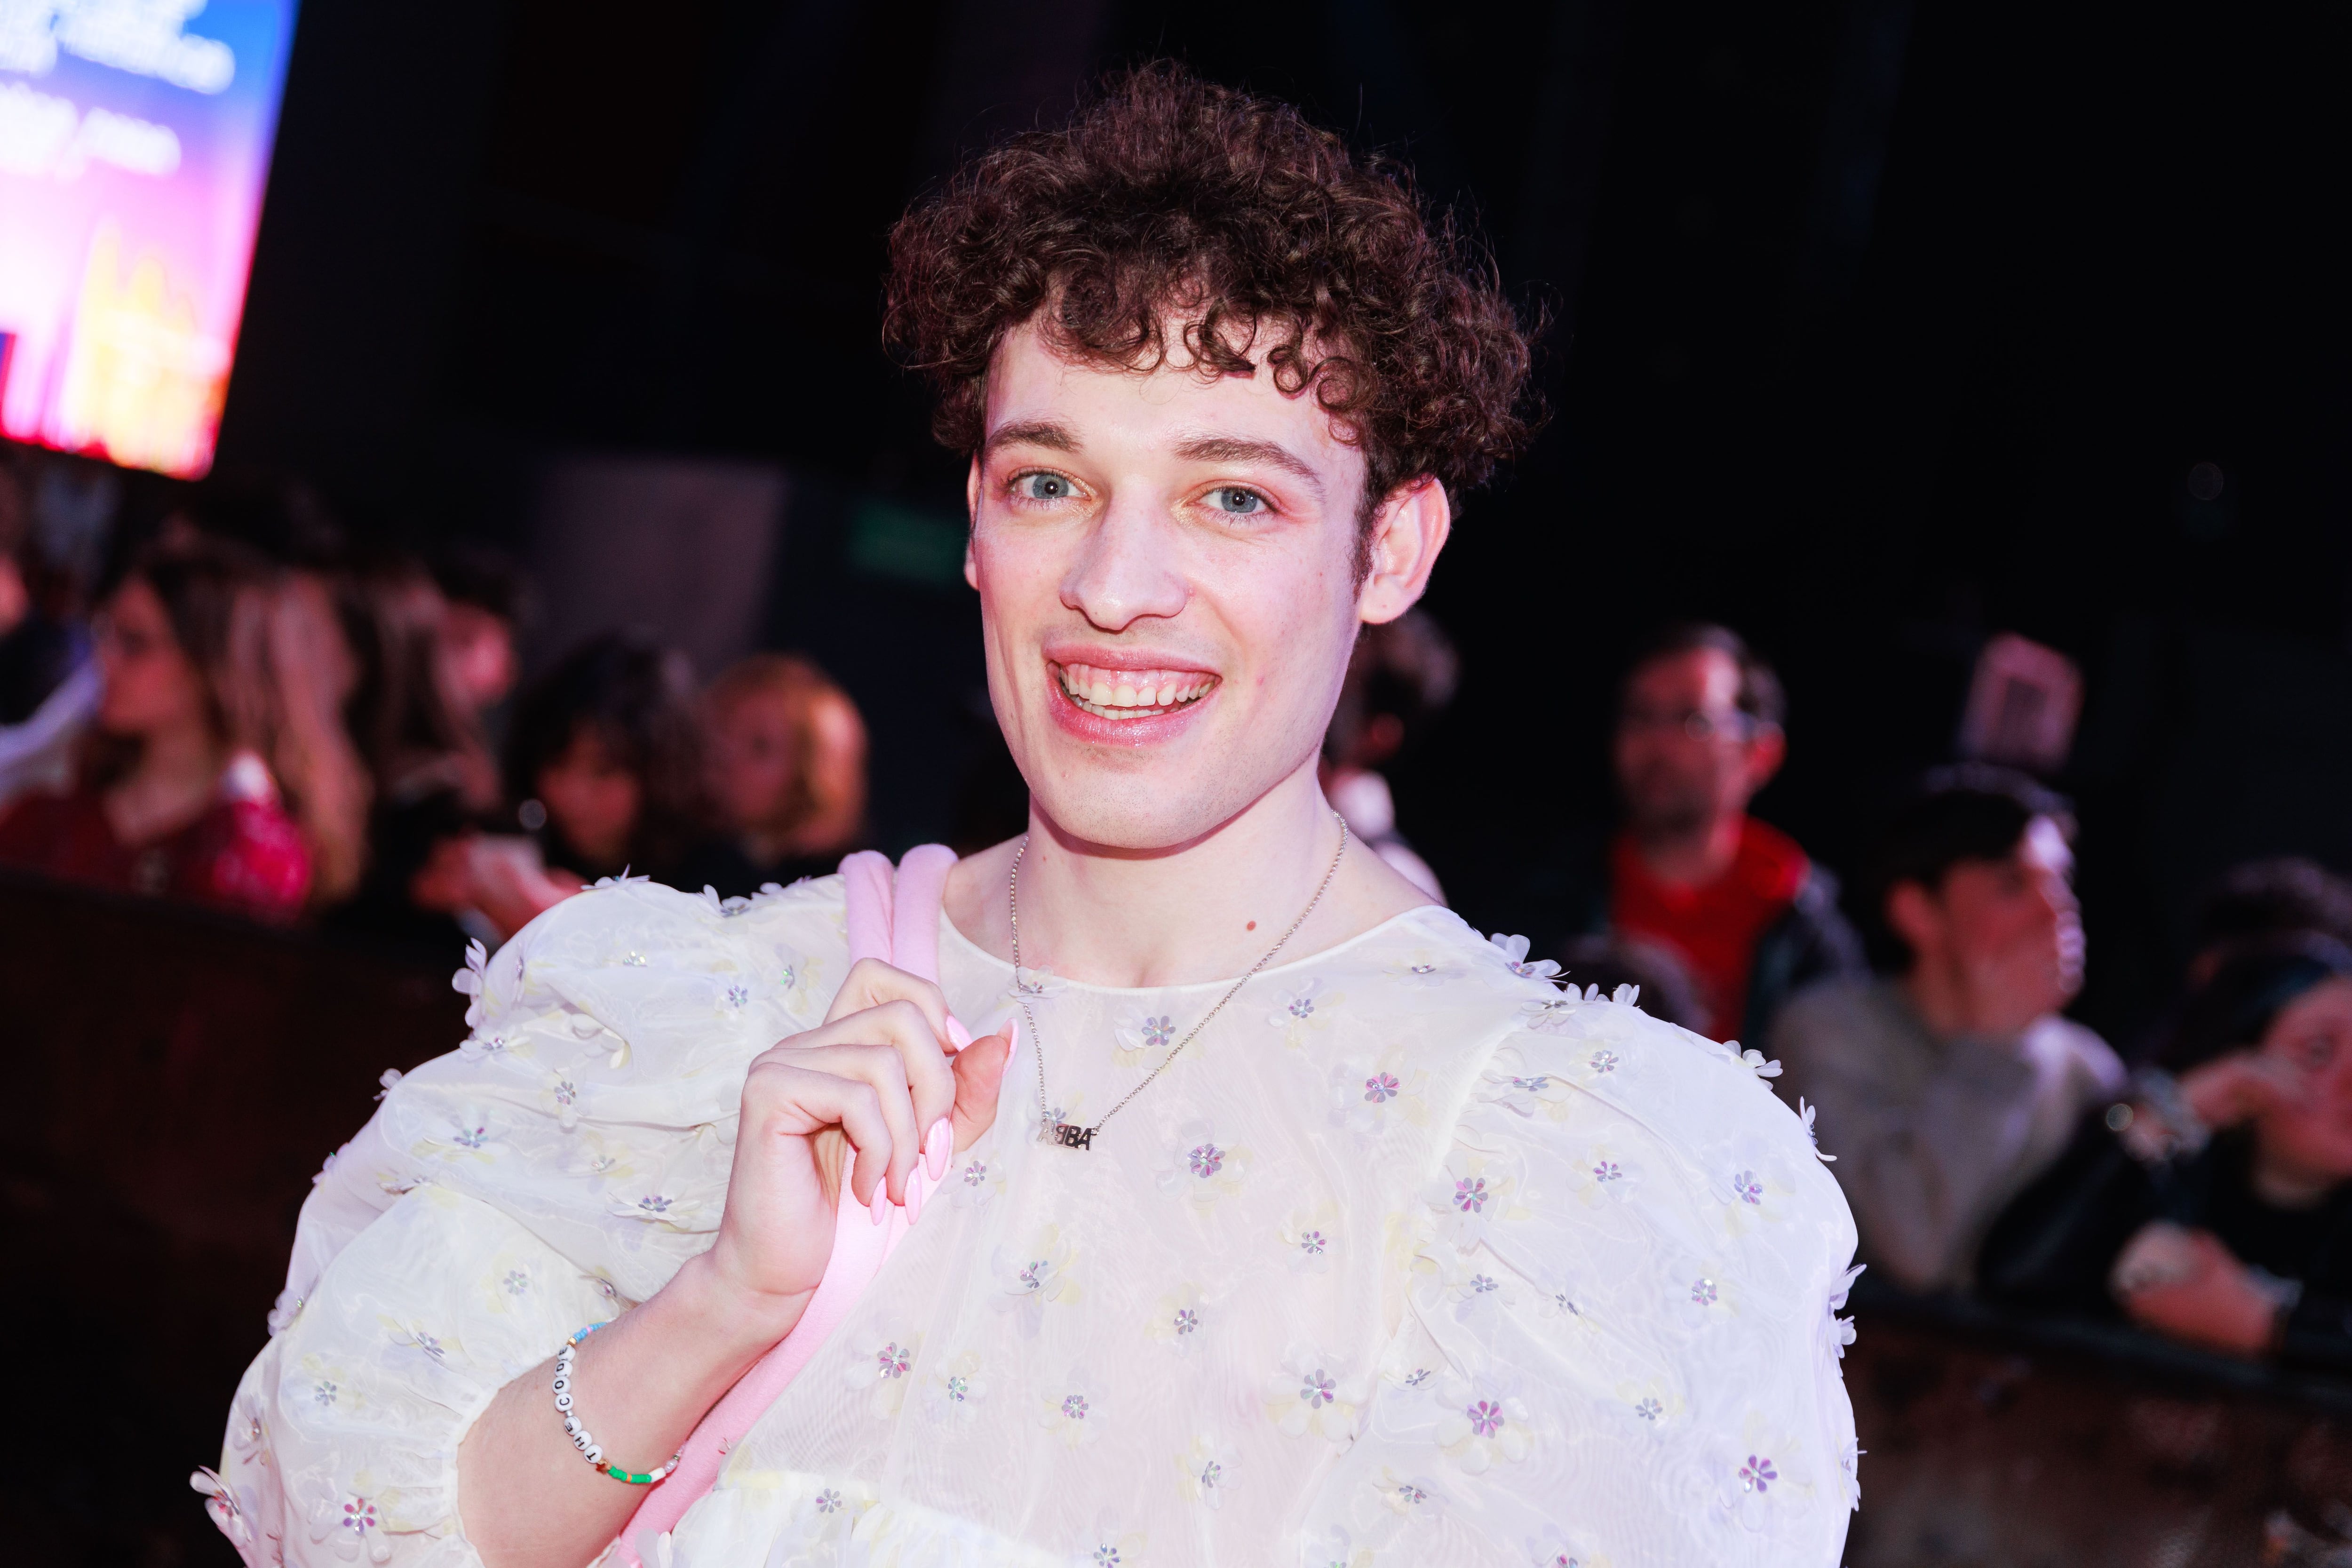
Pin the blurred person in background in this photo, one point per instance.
(606, 758)
(1399, 677)
(785, 750)
(2213, 1206)
(48, 685)
(173, 797)
(1946, 1085)
(2276, 896)
(417, 725)
(38, 651)
(1738, 903)
(485, 600)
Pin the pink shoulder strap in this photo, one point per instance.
(894, 919)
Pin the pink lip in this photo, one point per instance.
(1122, 658)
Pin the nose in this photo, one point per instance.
(1127, 571)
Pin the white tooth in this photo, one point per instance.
(1166, 697)
(1100, 692)
(1123, 697)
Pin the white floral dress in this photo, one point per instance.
(1411, 1258)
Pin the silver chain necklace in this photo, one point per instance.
(1061, 1132)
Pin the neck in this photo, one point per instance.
(1201, 910)
(1692, 857)
(179, 769)
(1950, 1005)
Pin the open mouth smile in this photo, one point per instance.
(1126, 695)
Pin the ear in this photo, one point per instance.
(1913, 915)
(1407, 534)
(971, 520)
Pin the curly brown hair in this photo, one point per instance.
(1171, 198)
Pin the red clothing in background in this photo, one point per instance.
(242, 854)
(1713, 929)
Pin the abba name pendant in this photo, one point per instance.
(1067, 1136)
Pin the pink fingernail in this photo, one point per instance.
(914, 1198)
(880, 1207)
(938, 1147)
(958, 1035)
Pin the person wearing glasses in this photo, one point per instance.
(1735, 904)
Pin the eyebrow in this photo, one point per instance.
(1237, 450)
(1048, 433)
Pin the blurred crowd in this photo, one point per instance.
(246, 718)
(253, 717)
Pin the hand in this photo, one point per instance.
(2215, 1302)
(2232, 1088)
(846, 1104)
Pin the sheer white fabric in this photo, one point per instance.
(1410, 1258)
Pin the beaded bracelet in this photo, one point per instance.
(589, 1449)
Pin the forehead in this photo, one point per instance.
(1111, 409)
(1701, 677)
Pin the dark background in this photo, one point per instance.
(1879, 326)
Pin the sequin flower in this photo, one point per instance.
(1314, 1392)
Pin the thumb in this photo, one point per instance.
(978, 1073)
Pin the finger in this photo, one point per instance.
(882, 1070)
(900, 1024)
(979, 1071)
(805, 1101)
(871, 983)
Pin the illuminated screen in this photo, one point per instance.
(134, 144)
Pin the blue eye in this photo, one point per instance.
(1043, 487)
(1235, 501)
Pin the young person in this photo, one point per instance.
(785, 751)
(1381, 1248)
(1952, 1079)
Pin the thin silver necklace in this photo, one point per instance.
(1061, 1132)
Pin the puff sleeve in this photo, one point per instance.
(1619, 1344)
(557, 1168)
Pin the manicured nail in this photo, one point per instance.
(938, 1147)
(958, 1035)
(880, 1207)
(914, 1198)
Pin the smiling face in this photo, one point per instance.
(1167, 567)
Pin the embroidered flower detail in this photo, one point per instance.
(1806, 1114)
(893, 1360)
(1759, 1066)
(1314, 1393)
(1420, 969)
(1604, 1061)
(470, 1136)
(565, 1094)
(1368, 1090)
(516, 1282)
(882, 1374)
(952, 1394)
(229, 1510)
(1608, 1171)
(1649, 1409)
(1757, 1475)
(1746, 1188)
(1483, 1424)
(1075, 1413)
(975, 1184)
(1703, 1293)
(738, 996)
(323, 1393)
(653, 1203)
(1418, 1376)
(1158, 1033)
(1207, 1471)
(1180, 1320)
(1550, 1014)
(635, 961)
(1514, 951)
(1470, 1194)
(1313, 1244)
(1305, 1012)
(1036, 983)
(828, 1501)
(1201, 1165)
(1380, 1087)
(1038, 1276)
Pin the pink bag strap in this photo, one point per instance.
(894, 919)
